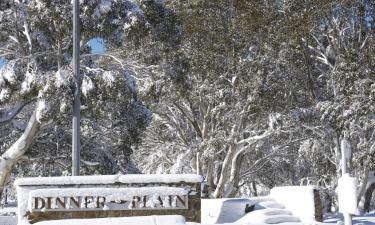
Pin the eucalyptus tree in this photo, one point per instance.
(36, 86)
(227, 103)
(342, 48)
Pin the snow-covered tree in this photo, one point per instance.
(36, 86)
(343, 52)
(256, 67)
(225, 99)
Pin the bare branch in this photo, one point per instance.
(8, 115)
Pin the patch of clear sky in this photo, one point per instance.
(96, 44)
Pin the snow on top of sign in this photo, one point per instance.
(139, 220)
(160, 178)
(105, 179)
(107, 192)
(110, 179)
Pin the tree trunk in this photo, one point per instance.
(235, 175)
(363, 185)
(209, 176)
(224, 174)
(19, 148)
(255, 190)
(368, 196)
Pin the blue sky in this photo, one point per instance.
(97, 47)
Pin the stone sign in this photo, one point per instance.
(109, 196)
(117, 200)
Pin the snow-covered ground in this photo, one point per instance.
(257, 217)
(8, 214)
(367, 219)
(277, 208)
(141, 220)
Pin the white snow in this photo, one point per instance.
(298, 199)
(41, 109)
(31, 181)
(110, 193)
(4, 94)
(270, 204)
(109, 78)
(141, 220)
(160, 178)
(61, 78)
(347, 194)
(111, 179)
(225, 210)
(8, 72)
(87, 85)
(8, 220)
(367, 219)
(268, 216)
(105, 6)
(28, 81)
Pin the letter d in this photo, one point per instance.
(37, 200)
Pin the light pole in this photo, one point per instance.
(77, 102)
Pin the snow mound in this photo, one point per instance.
(281, 219)
(226, 210)
(271, 212)
(298, 199)
(268, 216)
(269, 204)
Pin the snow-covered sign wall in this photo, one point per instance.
(49, 198)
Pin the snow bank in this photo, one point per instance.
(225, 210)
(268, 216)
(298, 199)
(142, 220)
(110, 179)
(269, 204)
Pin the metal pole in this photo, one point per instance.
(344, 168)
(77, 102)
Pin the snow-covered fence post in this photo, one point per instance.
(345, 148)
